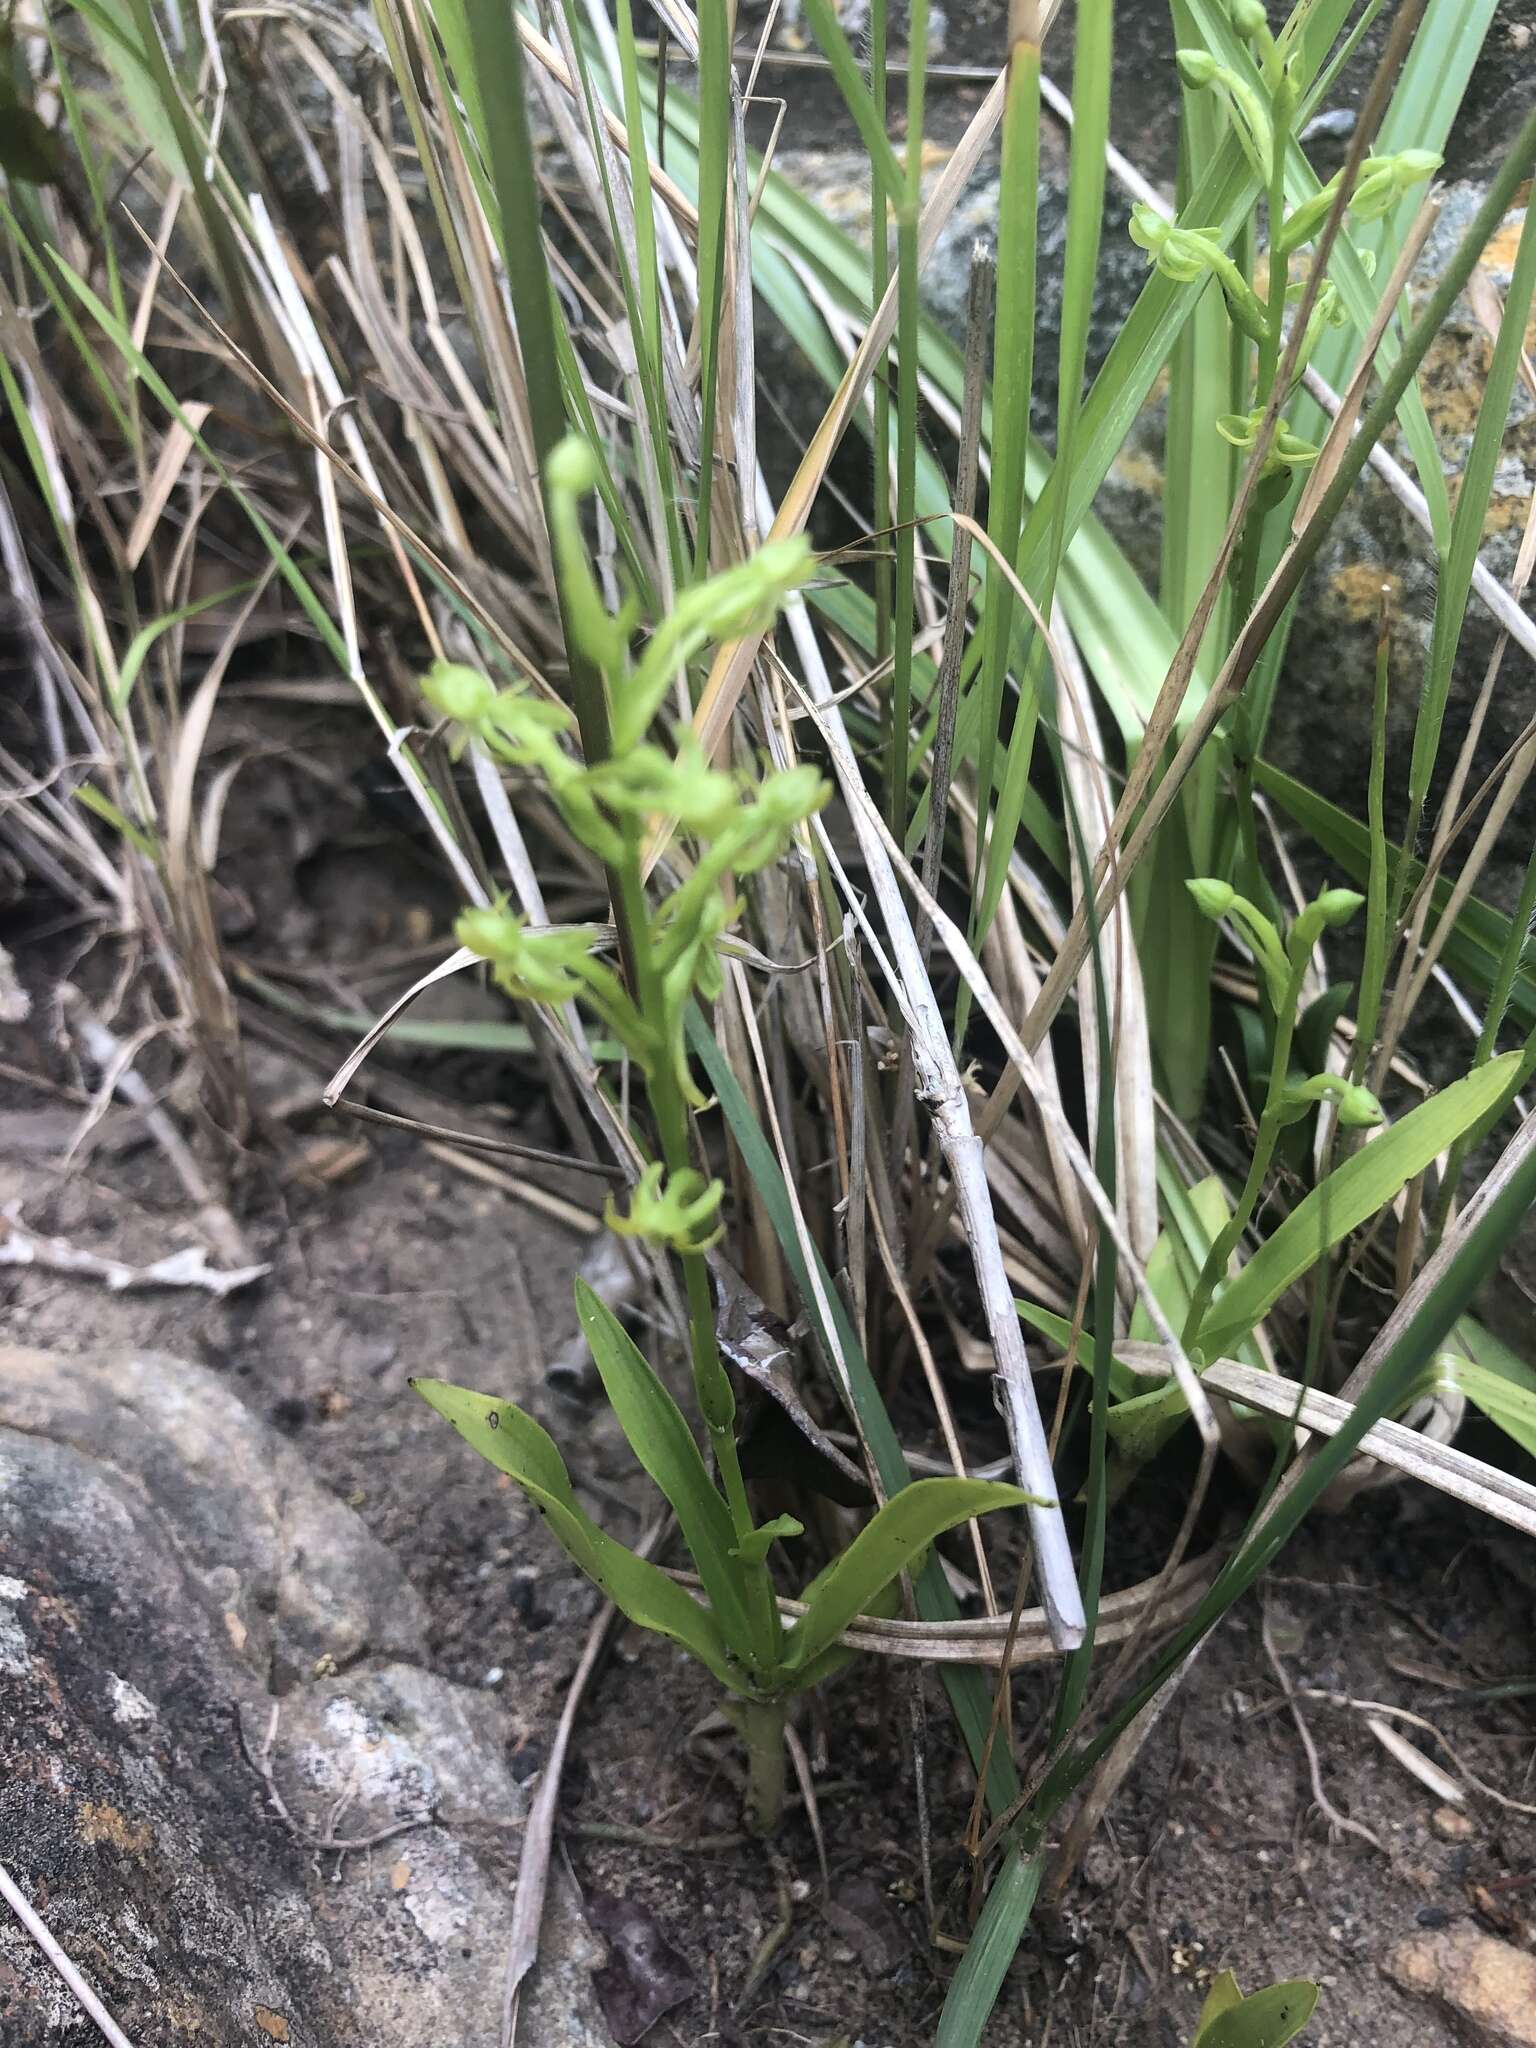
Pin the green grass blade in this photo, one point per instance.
(495, 57)
(140, 646)
(714, 143)
(1012, 385)
(868, 118)
(907, 328)
(993, 1944)
(1467, 528)
(1416, 1342)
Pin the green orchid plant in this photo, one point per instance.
(733, 827)
(1219, 1312)
(1262, 106)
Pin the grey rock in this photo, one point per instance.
(171, 1582)
(290, 1573)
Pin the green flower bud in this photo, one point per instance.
(1249, 18)
(1338, 906)
(493, 934)
(1358, 1108)
(1286, 451)
(793, 794)
(1385, 179)
(458, 692)
(1197, 68)
(572, 466)
(1213, 898)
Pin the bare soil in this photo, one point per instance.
(387, 1262)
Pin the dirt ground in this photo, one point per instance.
(387, 1262)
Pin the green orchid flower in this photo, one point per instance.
(673, 1210)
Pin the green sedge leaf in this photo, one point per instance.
(660, 1438)
(884, 1548)
(1510, 1404)
(1266, 2019)
(517, 1445)
(1350, 1196)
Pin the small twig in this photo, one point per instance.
(1325, 1805)
(105, 1051)
(800, 1763)
(1381, 1709)
(260, 1761)
(775, 1938)
(479, 1141)
(188, 1267)
(84, 1996)
(629, 1837)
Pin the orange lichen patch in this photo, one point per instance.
(1453, 381)
(1359, 586)
(1499, 256)
(1134, 467)
(271, 2023)
(102, 1823)
(1505, 512)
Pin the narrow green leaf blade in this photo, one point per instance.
(886, 1545)
(517, 1445)
(143, 641)
(1350, 1196)
(991, 1949)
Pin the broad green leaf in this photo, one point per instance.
(886, 1546)
(1265, 2019)
(1350, 1196)
(1176, 1257)
(1494, 1355)
(1059, 1330)
(1221, 1997)
(1142, 1425)
(660, 1438)
(1139, 1424)
(517, 1445)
